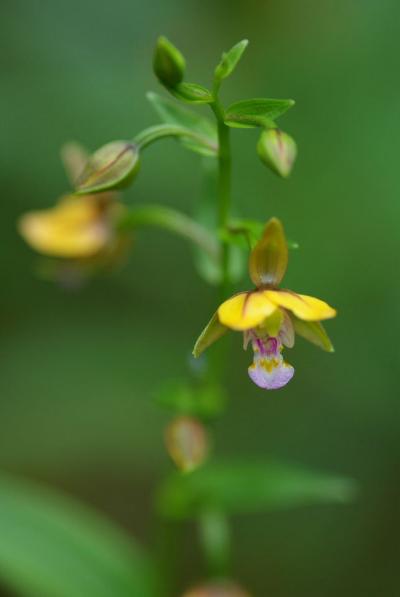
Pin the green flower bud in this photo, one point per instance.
(278, 151)
(186, 442)
(168, 63)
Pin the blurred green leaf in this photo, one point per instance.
(173, 113)
(230, 60)
(250, 487)
(112, 166)
(202, 400)
(256, 112)
(192, 93)
(52, 546)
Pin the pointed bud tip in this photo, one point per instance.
(168, 63)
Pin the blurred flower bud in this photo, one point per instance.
(186, 442)
(277, 150)
(219, 589)
(168, 63)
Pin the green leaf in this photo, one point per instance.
(230, 60)
(52, 546)
(173, 113)
(250, 487)
(211, 333)
(314, 332)
(203, 400)
(192, 93)
(168, 63)
(113, 166)
(256, 112)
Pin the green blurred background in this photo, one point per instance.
(79, 370)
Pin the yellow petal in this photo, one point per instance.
(73, 228)
(304, 307)
(245, 310)
(269, 258)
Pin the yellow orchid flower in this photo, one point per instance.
(269, 316)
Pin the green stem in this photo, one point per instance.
(172, 220)
(224, 189)
(215, 538)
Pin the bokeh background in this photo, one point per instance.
(79, 370)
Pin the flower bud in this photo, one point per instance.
(186, 442)
(277, 150)
(217, 590)
(168, 63)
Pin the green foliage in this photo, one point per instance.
(205, 139)
(168, 63)
(250, 487)
(113, 166)
(230, 60)
(52, 546)
(256, 112)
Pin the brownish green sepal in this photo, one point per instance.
(314, 332)
(113, 166)
(168, 63)
(269, 258)
(212, 332)
(278, 151)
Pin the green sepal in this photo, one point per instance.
(206, 401)
(113, 166)
(230, 60)
(168, 63)
(74, 158)
(258, 112)
(269, 258)
(278, 151)
(212, 332)
(175, 114)
(250, 487)
(314, 332)
(192, 93)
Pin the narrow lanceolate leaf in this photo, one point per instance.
(256, 112)
(230, 60)
(170, 112)
(269, 258)
(52, 546)
(212, 332)
(113, 166)
(314, 332)
(250, 487)
(192, 93)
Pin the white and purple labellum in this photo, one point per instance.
(268, 370)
